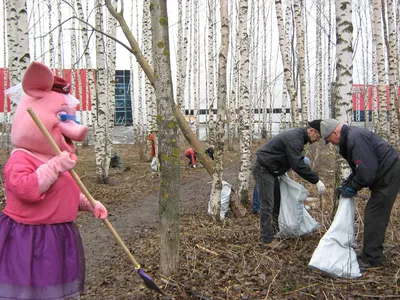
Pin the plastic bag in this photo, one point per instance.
(15, 93)
(334, 254)
(154, 164)
(294, 219)
(225, 198)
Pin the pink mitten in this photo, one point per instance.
(99, 210)
(61, 163)
(48, 173)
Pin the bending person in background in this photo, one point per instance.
(282, 153)
(375, 165)
(191, 155)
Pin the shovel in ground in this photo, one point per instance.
(146, 278)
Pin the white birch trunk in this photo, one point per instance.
(220, 126)
(234, 94)
(91, 86)
(17, 39)
(298, 8)
(318, 64)
(18, 49)
(60, 64)
(393, 79)
(344, 71)
(132, 86)
(210, 83)
(111, 55)
(180, 80)
(52, 54)
(381, 61)
(149, 91)
(140, 86)
(100, 119)
(244, 106)
(328, 57)
(286, 64)
(195, 68)
(374, 70)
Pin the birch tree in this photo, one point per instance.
(17, 39)
(91, 86)
(60, 64)
(244, 106)
(286, 64)
(18, 46)
(210, 83)
(318, 65)
(110, 93)
(344, 72)
(220, 122)
(233, 98)
(298, 7)
(169, 203)
(100, 106)
(140, 84)
(149, 91)
(180, 86)
(393, 79)
(377, 32)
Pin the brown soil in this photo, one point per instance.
(218, 260)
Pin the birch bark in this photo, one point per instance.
(393, 79)
(298, 8)
(286, 64)
(220, 126)
(100, 110)
(344, 72)
(149, 91)
(244, 106)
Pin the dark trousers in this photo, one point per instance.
(377, 214)
(269, 197)
(189, 157)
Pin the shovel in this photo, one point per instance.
(146, 278)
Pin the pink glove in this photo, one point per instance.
(99, 210)
(61, 163)
(48, 172)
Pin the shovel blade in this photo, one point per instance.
(148, 281)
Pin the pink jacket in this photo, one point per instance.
(25, 204)
(190, 152)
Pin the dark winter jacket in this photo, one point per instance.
(284, 152)
(368, 155)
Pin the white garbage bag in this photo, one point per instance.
(154, 164)
(225, 198)
(294, 219)
(334, 254)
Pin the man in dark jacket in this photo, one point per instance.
(374, 164)
(279, 155)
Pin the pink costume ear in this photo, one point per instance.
(37, 79)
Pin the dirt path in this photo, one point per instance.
(132, 219)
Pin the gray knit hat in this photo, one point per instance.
(327, 127)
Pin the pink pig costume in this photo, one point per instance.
(41, 251)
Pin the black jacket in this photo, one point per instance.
(284, 152)
(368, 155)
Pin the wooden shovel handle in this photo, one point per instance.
(82, 186)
